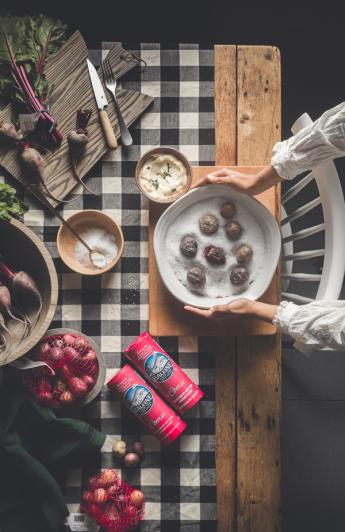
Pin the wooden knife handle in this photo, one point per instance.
(108, 130)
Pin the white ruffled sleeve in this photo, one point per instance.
(313, 145)
(319, 325)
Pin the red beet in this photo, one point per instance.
(77, 386)
(22, 283)
(6, 307)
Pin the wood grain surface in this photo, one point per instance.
(225, 348)
(67, 72)
(258, 358)
(166, 314)
(248, 368)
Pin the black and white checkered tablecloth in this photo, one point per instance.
(179, 482)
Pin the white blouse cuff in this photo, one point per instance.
(282, 161)
(284, 314)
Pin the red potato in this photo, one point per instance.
(112, 490)
(137, 498)
(71, 356)
(66, 372)
(77, 386)
(89, 381)
(87, 496)
(100, 496)
(90, 356)
(68, 339)
(108, 477)
(81, 343)
(67, 398)
(93, 483)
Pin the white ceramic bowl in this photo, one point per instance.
(265, 220)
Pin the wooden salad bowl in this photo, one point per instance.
(23, 250)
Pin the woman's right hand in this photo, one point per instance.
(247, 183)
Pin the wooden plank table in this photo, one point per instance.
(248, 369)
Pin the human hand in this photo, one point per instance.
(238, 307)
(246, 183)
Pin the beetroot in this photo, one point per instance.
(6, 308)
(22, 283)
(77, 140)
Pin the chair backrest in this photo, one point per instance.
(330, 197)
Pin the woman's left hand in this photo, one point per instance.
(239, 307)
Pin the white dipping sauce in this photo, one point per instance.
(217, 276)
(163, 176)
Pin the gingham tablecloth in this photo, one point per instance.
(179, 482)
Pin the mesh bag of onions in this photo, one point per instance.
(112, 503)
(74, 368)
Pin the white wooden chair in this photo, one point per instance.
(305, 225)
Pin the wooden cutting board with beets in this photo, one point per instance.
(67, 73)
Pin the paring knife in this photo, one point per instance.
(102, 102)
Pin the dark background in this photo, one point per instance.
(311, 41)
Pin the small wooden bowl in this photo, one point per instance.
(162, 150)
(81, 221)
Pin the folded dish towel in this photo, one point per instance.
(33, 441)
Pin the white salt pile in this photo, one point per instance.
(102, 242)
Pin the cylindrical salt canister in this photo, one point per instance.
(160, 370)
(146, 404)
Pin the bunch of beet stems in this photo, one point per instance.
(21, 283)
(20, 77)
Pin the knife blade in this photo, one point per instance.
(102, 102)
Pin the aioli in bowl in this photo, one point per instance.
(163, 175)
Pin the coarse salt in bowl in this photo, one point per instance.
(100, 232)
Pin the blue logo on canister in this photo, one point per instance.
(158, 367)
(139, 400)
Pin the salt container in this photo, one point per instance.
(146, 405)
(160, 370)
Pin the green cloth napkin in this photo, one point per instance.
(33, 442)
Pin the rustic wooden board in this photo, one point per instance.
(259, 359)
(248, 367)
(166, 314)
(225, 348)
(67, 72)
